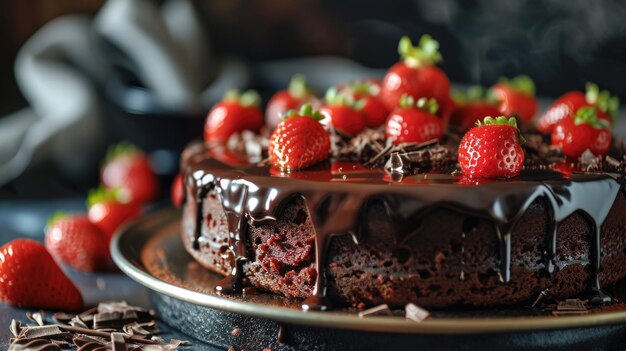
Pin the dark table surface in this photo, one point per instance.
(19, 219)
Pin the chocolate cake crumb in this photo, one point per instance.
(571, 307)
(380, 310)
(415, 313)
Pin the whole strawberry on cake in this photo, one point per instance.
(373, 197)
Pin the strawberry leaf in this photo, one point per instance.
(589, 115)
(407, 101)
(502, 121)
(306, 110)
(249, 98)
(102, 194)
(426, 53)
(603, 99)
(429, 105)
(523, 84)
(55, 217)
(298, 88)
(335, 97)
(474, 93)
(120, 149)
(363, 87)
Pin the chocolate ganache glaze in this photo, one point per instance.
(336, 195)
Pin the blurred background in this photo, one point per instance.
(86, 73)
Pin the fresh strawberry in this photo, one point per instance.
(414, 122)
(31, 279)
(128, 168)
(516, 97)
(343, 113)
(569, 103)
(366, 92)
(299, 141)
(492, 149)
(296, 95)
(575, 134)
(471, 106)
(177, 192)
(109, 209)
(75, 241)
(235, 113)
(416, 75)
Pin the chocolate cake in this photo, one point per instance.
(405, 227)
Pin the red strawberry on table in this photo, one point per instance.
(367, 93)
(128, 168)
(416, 75)
(343, 113)
(471, 106)
(570, 102)
(30, 278)
(414, 122)
(299, 141)
(177, 192)
(584, 130)
(492, 149)
(235, 113)
(74, 240)
(516, 97)
(109, 209)
(296, 95)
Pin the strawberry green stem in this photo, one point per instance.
(523, 84)
(426, 53)
(429, 105)
(603, 99)
(589, 115)
(306, 110)
(249, 98)
(120, 149)
(502, 121)
(474, 93)
(298, 88)
(55, 217)
(102, 194)
(335, 97)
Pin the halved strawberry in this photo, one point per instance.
(296, 95)
(492, 149)
(414, 122)
(235, 113)
(584, 130)
(343, 113)
(416, 75)
(566, 105)
(128, 168)
(299, 141)
(516, 97)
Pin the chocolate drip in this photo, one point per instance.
(335, 198)
(201, 194)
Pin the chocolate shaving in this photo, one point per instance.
(116, 325)
(15, 328)
(46, 331)
(416, 313)
(118, 342)
(33, 345)
(380, 310)
(571, 307)
(540, 297)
